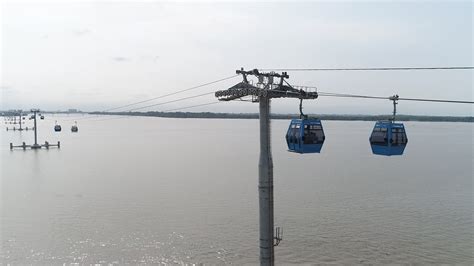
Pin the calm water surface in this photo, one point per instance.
(178, 191)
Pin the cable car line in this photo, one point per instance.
(169, 110)
(388, 98)
(177, 100)
(372, 68)
(347, 95)
(112, 118)
(435, 100)
(192, 106)
(172, 101)
(351, 96)
(170, 94)
(324, 94)
(158, 97)
(288, 92)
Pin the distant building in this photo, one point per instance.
(73, 111)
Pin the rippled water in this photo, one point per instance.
(153, 190)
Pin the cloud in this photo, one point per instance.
(81, 32)
(120, 59)
(150, 58)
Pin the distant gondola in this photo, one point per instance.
(74, 128)
(57, 128)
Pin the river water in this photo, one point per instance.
(183, 191)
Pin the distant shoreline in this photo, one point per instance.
(420, 118)
(336, 117)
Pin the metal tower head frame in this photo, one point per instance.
(265, 87)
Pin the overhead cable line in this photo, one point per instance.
(172, 101)
(158, 97)
(192, 106)
(372, 68)
(170, 94)
(435, 100)
(389, 98)
(174, 109)
(350, 95)
(169, 110)
(112, 118)
(347, 95)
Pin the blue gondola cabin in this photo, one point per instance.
(305, 136)
(388, 138)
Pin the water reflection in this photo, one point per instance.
(124, 193)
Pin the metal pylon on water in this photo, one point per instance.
(20, 116)
(35, 145)
(263, 92)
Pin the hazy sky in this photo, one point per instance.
(97, 55)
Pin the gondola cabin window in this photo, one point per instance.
(399, 136)
(294, 133)
(313, 134)
(379, 136)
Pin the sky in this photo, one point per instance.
(95, 55)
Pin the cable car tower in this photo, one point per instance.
(35, 145)
(263, 92)
(21, 117)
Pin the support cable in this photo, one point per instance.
(172, 101)
(158, 97)
(388, 98)
(347, 95)
(372, 68)
(169, 110)
(192, 106)
(170, 94)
